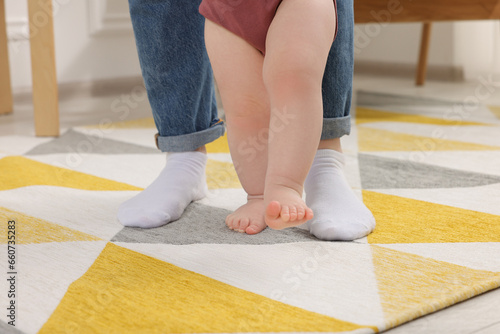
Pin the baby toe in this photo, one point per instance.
(272, 216)
(285, 213)
(255, 227)
(309, 214)
(301, 213)
(293, 213)
(243, 224)
(229, 221)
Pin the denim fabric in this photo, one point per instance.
(176, 71)
(179, 80)
(337, 81)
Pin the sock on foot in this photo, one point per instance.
(338, 213)
(180, 182)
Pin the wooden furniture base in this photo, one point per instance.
(6, 104)
(43, 67)
(427, 11)
(45, 92)
(424, 53)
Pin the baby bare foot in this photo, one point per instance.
(248, 218)
(285, 208)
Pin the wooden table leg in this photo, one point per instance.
(43, 67)
(6, 104)
(424, 52)
(495, 13)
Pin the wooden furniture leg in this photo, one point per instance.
(6, 104)
(495, 13)
(43, 67)
(424, 52)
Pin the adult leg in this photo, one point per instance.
(339, 214)
(238, 70)
(178, 78)
(297, 47)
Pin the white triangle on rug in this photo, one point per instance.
(475, 255)
(481, 198)
(39, 267)
(412, 107)
(139, 170)
(334, 279)
(481, 135)
(18, 145)
(439, 109)
(229, 199)
(363, 240)
(142, 136)
(484, 162)
(91, 212)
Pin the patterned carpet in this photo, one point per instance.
(428, 169)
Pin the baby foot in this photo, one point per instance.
(248, 218)
(285, 208)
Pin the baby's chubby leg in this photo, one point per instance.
(237, 68)
(297, 46)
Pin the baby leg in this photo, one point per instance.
(237, 68)
(297, 46)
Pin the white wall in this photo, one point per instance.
(477, 48)
(473, 46)
(93, 38)
(400, 43)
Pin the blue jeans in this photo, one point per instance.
(179, 80)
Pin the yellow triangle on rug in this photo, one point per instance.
(382, 140)
(368, 115)
(19, 172)
(147, 295)
(405, 220)
(32, 230)
(495, 110)
(411, 286)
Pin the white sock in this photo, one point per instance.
(179, 183)
(338, 213)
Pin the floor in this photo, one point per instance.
(480, 315)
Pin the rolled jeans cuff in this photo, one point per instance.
(191, 141)
(336, 127)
